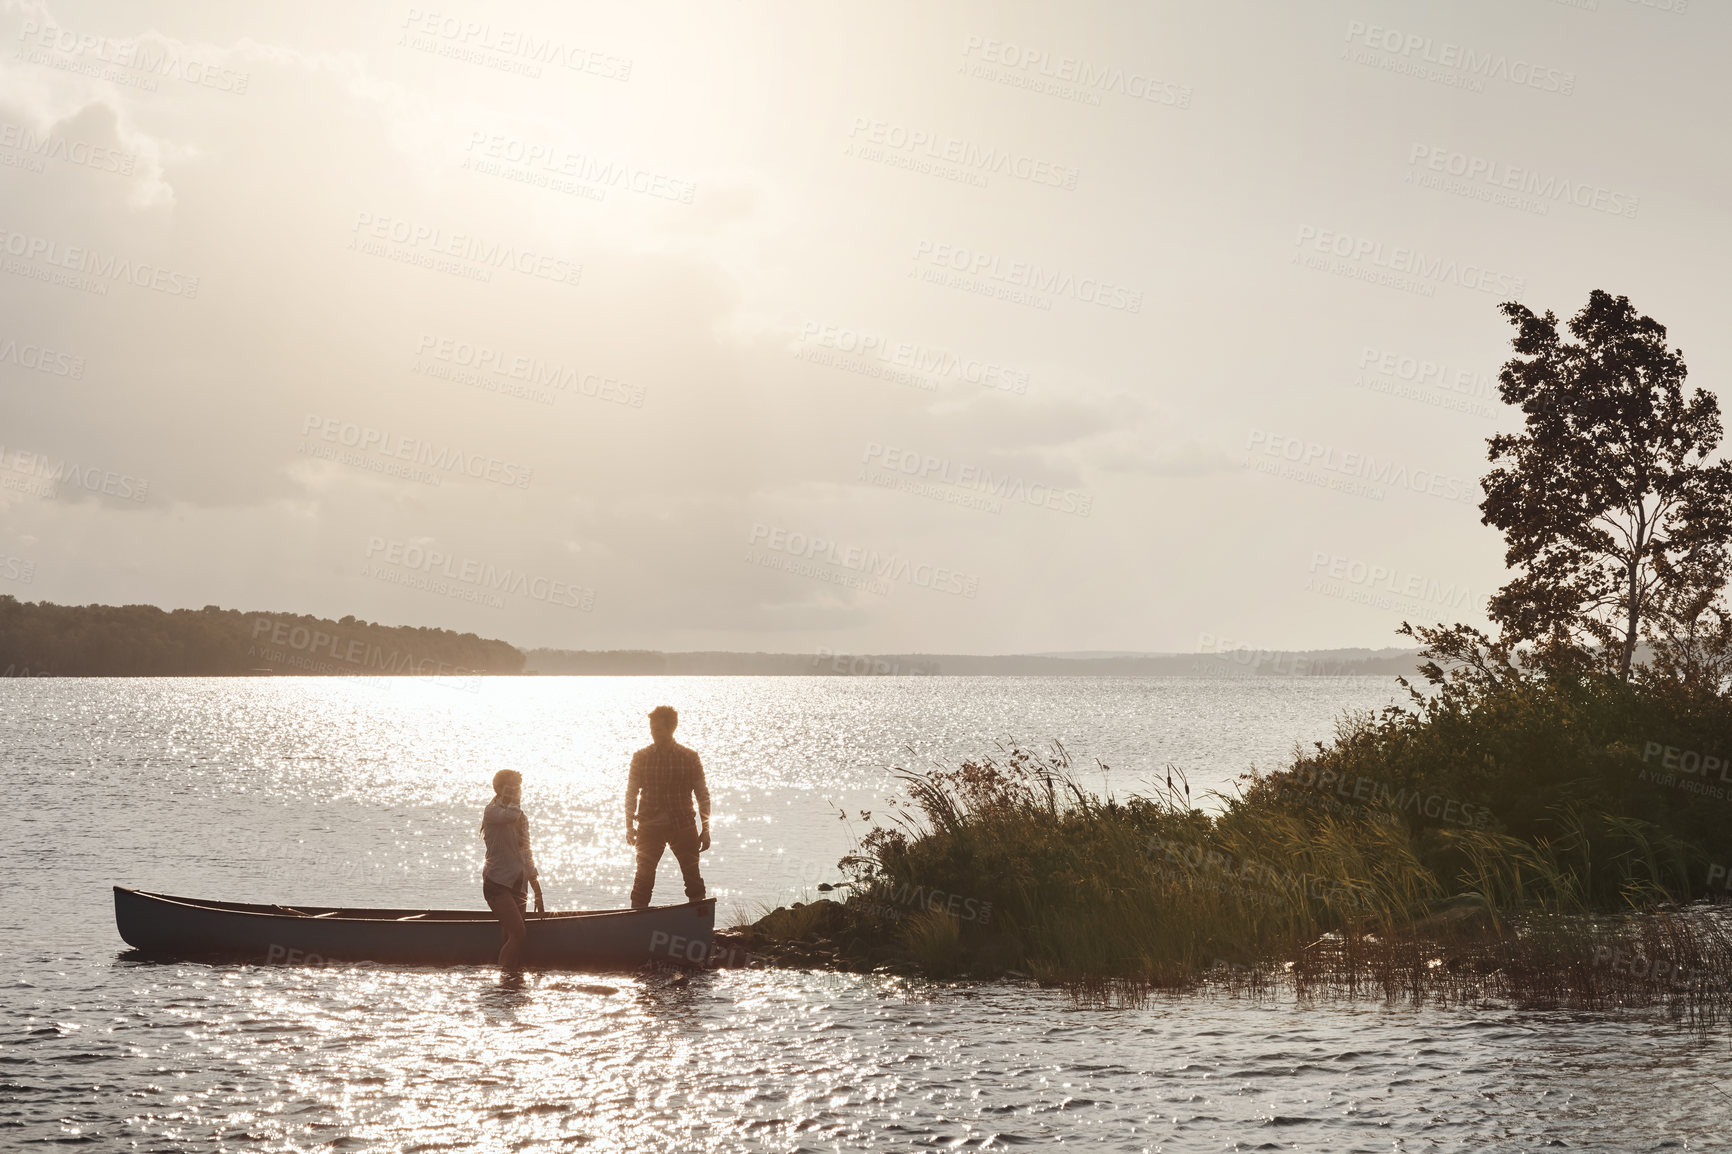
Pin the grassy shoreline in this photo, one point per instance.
(1512, 845)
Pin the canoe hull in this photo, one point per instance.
(169, 927)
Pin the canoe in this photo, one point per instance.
(162, 926)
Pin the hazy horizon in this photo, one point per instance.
(901, 330)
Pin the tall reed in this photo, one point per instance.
(1123, 899)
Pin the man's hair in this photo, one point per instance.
(665, 715)
(503, 778)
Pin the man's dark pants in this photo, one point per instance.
(651, 840)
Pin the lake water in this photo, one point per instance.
(368, 791)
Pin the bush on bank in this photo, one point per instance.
(1462, 816)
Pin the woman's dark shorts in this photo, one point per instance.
(520, 892)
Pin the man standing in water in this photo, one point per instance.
(665, 776)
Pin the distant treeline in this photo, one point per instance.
(824, 662)
(38, 639)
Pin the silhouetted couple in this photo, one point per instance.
(665, 778)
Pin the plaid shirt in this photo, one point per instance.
(664, 779)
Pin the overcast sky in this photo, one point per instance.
(891, 327)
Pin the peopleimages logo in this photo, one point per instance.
(1027, 275)
(1455, 60)
(966, 155)
(86, 262)
(1421, 371)
(424, 245)
(473, 40)
(1370, 255)
(68, 473)
(41, 359)
(1362, 470)
(537, 372)
(1497, 177)
(862, 665)
(586, 168)
(1240, 653)
(353, 651)
(1353, 579)
(925, 363)
(18, 138)
(366, 439)
(40, 43)
(1425, 382)
(1068, 76)
(887, 567)
(943, 470)
(434, 563)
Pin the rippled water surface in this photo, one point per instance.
(368, 791)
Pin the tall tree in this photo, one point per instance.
(1611, 510)
(1690, 629)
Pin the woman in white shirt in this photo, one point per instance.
(510, 865)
